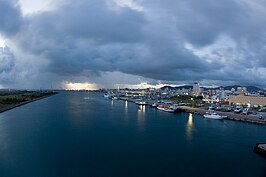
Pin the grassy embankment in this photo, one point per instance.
(10, 99)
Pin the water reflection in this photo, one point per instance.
(141, 116)
(126, 110)
(189, 127)
(141, 108)
(112, 102)
(126, 106)
(75, 107)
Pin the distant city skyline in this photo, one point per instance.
(131, 43)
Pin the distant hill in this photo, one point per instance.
(176, 88)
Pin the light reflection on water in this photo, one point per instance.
(112, 102)
(141, 117)
(126, 105)
(141, 108)
(126, 110)
(189, 127)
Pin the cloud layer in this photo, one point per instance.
(169, 41)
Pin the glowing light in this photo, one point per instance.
(79, 86)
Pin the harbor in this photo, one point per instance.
(256, 119)
(237, 103)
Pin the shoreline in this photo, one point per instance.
(230, 115)
(25, 102)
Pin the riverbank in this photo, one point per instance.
(228, 115)
(7, 98)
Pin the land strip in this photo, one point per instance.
(13, 99)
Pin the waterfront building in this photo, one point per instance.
(247, 100)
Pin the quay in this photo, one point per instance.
(260, 148)
(229, 115)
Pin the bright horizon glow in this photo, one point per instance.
(79, 86)
(144, 85)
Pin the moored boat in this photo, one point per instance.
(165, 108)
(154, 105)
(169, 108)
(212, 115)
(114, 98)
(141, 102)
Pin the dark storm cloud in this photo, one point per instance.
(91, 36)
(87, 38)
(201, 22)
(10, 17)
(7, 60)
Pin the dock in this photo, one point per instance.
(229, 115)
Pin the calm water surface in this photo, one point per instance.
(84, 134)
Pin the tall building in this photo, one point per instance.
(196, 88)
(242, 90)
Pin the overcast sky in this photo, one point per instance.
(127, 43)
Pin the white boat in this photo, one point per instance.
(212, 115)
(165, 108)
(107, 95)
(154, 105)
(141, 102)
(115, 98)
(169, 108)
